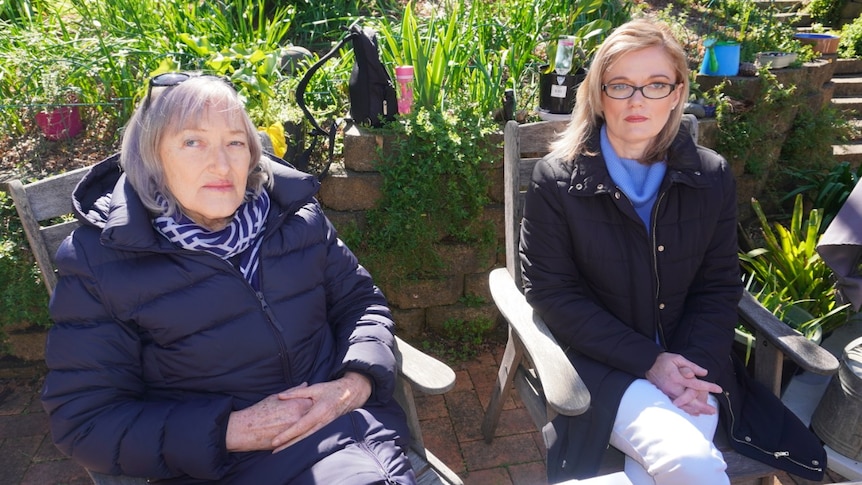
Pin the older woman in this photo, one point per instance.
(629, 253)
(209, 324)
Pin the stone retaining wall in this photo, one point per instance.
(423, 305)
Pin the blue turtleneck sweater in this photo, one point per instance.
(639, 182)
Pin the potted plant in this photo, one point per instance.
(559, 80)
(59, 115)
(822, 43)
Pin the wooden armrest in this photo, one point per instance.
(805, 353)
(425, 373)
(564, 390)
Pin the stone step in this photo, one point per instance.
(847, 85)
(852, 105)
(797, 19)
(781, 5)
(851, 153)
(848, 66)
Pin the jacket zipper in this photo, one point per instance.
(271, 318)
(775, 454)
(654, 239)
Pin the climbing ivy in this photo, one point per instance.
(434, 191)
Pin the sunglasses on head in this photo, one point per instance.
(170, 79)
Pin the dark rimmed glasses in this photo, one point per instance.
(170, 79)
(649, 91)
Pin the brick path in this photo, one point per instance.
(450, 423)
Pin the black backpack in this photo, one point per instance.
(373, 100)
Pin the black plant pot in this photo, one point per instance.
(557, 93)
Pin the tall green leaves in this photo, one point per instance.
(480, 49)
(436, 50)
(787, 271)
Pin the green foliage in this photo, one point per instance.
(19, 10)
(23, 298)
(748, 135)
(788, 272)
(826, 12)
(440, 57)
(756, 27)
(434, 191)
(850, 44)
(317, 23)
(825, 190)
(461, 339)
(106, 51)
(509, 40)
(809, 142)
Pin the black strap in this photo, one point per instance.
(306, 78)
(300, 100)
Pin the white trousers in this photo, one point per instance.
(663, 444)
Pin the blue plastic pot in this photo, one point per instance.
(720, 59)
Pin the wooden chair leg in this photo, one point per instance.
(512, 358)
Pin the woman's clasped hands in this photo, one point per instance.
(282, 419)
(679, 379)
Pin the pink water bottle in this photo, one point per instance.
(404, 77)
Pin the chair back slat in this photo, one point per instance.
(523, 146)
(39, 205)
(52, 196)
(54, 235)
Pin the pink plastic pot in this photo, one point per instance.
(60, 124)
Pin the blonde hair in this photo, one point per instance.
(587, 114)
(173, 108)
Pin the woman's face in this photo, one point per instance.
(206, 167)
(632, 123)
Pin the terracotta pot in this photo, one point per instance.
(823, 44)
(60, 124)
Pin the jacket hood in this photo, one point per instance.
(106, 200)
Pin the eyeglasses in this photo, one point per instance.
(170, 79)
(649, 91)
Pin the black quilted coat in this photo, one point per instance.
(615, 296)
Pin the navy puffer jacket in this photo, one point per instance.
(154, 346)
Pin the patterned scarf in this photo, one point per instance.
(239, 237)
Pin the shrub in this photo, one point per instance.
(850, 44)
(23, 298)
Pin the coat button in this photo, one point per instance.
(697, 173)
(660, 248)
(815, 462)
(617, 195)
(600, 187)
(661, 306)
(748, 439)
(579, 186)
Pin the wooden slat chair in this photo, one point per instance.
(44, 206)
(537, 367)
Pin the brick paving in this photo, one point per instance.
(450, 424)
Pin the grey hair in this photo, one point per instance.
(587, 115)
(174, 108)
